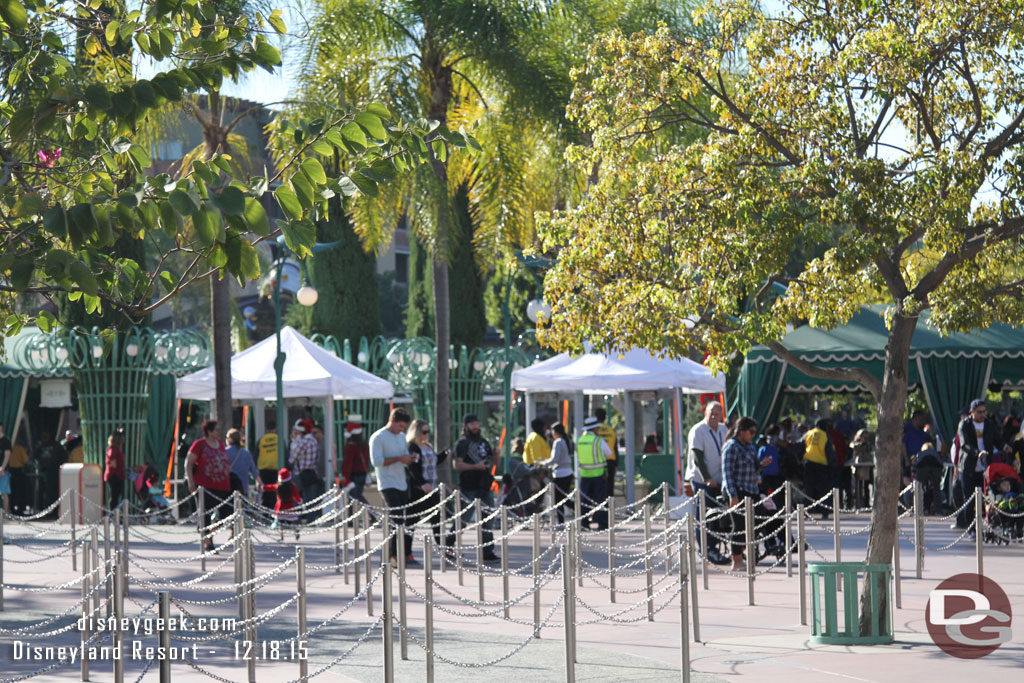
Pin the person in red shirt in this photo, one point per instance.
(355, 459)
(287, 498)
(208, 465)
(115, 471)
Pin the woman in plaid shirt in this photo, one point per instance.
(740, 470)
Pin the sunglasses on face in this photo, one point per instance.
(424, 431)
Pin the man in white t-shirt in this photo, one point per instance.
(704, 464)
(389, 454)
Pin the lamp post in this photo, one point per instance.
(535, 310)
(306, 296)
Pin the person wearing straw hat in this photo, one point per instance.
(592, 453)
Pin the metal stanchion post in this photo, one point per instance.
(802, 562)
(95, 564)
(552, 514)
(164, 599)
(118, 616)
(573, 566)
(750, 544)
(647, 562)
(577, 505)
(668, 522)
(428, 605)
(837, 537)
(611, 549)
(124, 541)
(918, 527)
(896, 572)
(442, 560)
(570, 657)
(478, 518)
(107, 566)
(789, 529)
(691, 543)
(684, 625)
(355, 551)
(703, 503)
(87, 583)
(536, 574)
(504, 558)
(339, 522)
(979, 528)
(201, 512)
(458, 534)
(389, 636)
(385, 551)
(300, 577)
(403, 641)
(73, 499)
(577, 556)
(368, 560)
(250, 575)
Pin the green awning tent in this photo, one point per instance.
(951, 370)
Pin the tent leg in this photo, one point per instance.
(627, 402)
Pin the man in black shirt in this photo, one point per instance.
(475, 461)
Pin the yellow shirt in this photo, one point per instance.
(267, 452)
(19, 456)
(816, 440)
(608, 434)
(536, 450)
(77, 454)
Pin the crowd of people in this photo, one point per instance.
(731, 464)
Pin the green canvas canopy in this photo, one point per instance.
(951, 370)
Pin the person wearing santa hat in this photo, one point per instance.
(305, 452)
(355, 458)
(287, 498)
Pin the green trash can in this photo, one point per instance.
(857, 578)
(657, 468)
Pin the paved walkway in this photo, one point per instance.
(763, 643)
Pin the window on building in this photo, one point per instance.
(401, 268)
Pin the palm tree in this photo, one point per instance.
(426, 59)
(498, 67)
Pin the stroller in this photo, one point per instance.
(1004, 504)
(149, 496)
(519, 484)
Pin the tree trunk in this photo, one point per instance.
(215, 139)
(220, 323)
(888, 449)
(440, 98)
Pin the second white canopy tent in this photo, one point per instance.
(637, 370)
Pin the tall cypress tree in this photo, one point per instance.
(465, 282)
(345, 278)
(419, 311)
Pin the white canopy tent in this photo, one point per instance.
(636, 370)
(310, 371)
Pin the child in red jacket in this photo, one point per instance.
(287, 498)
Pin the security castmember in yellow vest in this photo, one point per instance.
(266, 463)
(608, 434)
(592, 454)
(819, 458)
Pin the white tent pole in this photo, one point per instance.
(677, 437)
(329, 448)
(531, 409)
(627, 401)
(259, 421)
